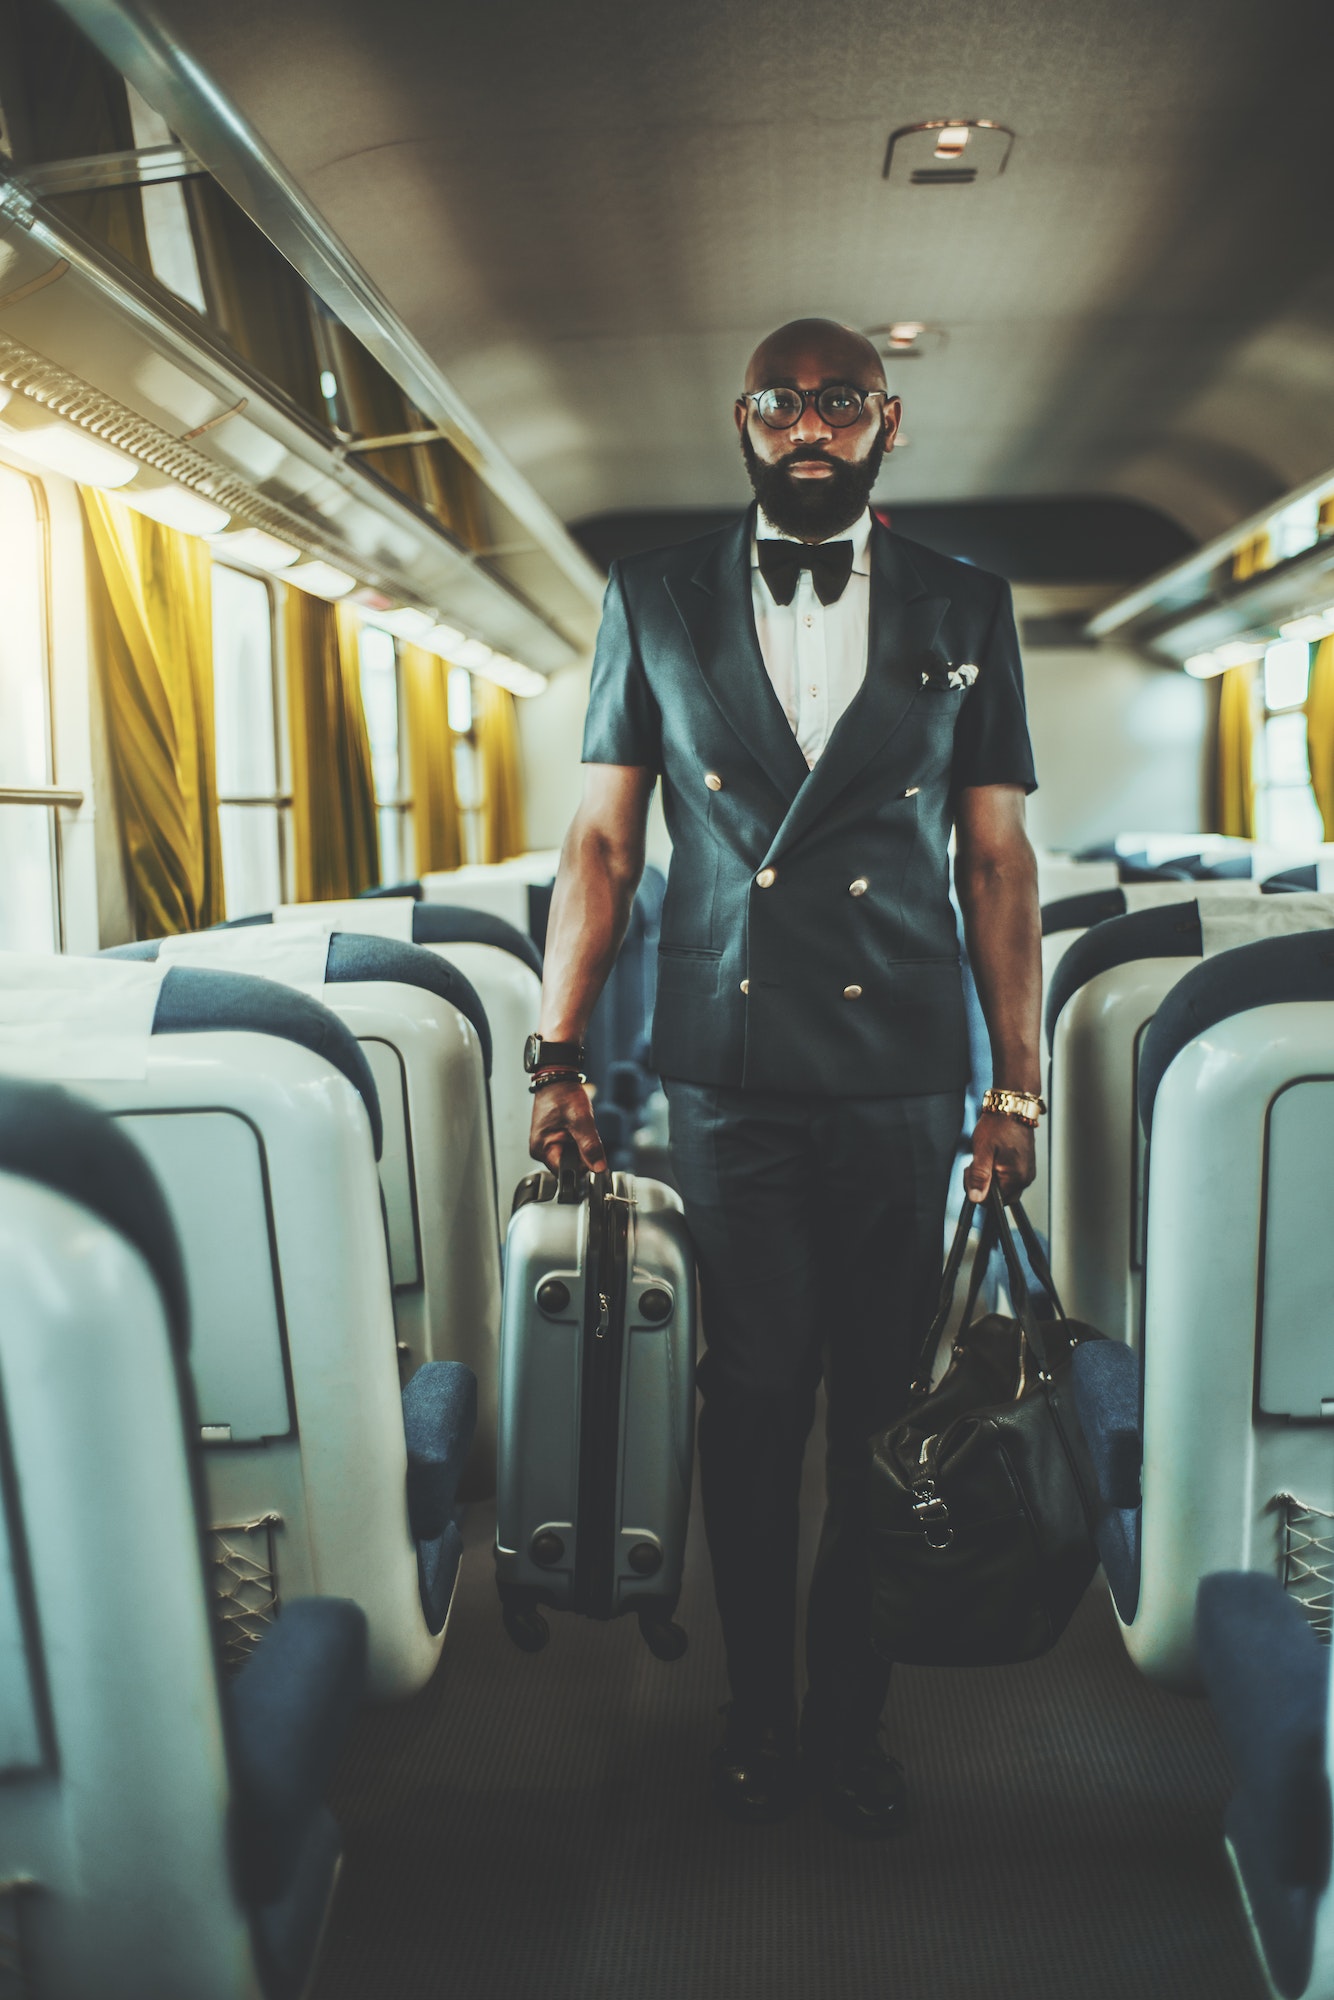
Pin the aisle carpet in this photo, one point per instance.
(539, 1828)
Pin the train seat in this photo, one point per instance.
(518, 890)
(162, 1830)
(1268, 1681)
(498, 961)
(1103, 993)
(258, 1111)
(427, 1041)
(1066, 875)
(1236, 1384)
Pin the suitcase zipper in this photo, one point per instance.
(605, 1285)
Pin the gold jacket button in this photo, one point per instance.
(713, 781)
(912, 791)
(745, 986)
(852, 992)
(765, 879)
(859, 887)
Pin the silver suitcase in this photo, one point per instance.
(597, 1404)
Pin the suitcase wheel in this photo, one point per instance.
(663, 1638)
(526, 1626)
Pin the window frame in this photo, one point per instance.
(56, 798)
(279, 801)
(1263, 786)
(401, 805)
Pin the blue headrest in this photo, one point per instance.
(1138, 869)
(446, 923)
(354, 956)
(1172, 930)
(48, 1135)
(1080, 913)
(1291, 881)
(357, 955)
(1300, 967)
(413, 889)
(194, 1000)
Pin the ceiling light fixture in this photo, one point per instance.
(256, 549)
(63, 447)
(444, 640)
(1239, 652)
(1203, 666)
(473, 654)
(512, 674)
(951, 141)
(904, 332)
(320, 579)
(1311, 625)
(404, 621)
(177, 507)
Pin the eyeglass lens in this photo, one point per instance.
(838, 403)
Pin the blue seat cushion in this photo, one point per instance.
(287, 1930)
(290, 1710)
(443, 923)
(62, 1141)
(1171, 930)
(193, 1000)
(1267, 1677)
(439, 1422)
(1107, 1385)
(391, 889)
(1299, 967)
(1290, 881)
(437, 1567)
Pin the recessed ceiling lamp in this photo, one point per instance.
(1311, 625)
(63, 447)
(320, 579)
(405, 622)
(951, 141)
(904, 333)
(177, 507)
(256, 549)
(512, 674)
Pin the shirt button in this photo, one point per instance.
(808, 619)
(815, 690)
(859, 887)
(713, 781)
(765, 879)
(745, 986)
(852, 992)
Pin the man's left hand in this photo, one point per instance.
(1005, 1150)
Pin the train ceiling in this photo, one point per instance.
(588, 213)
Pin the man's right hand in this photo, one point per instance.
(563, 1111)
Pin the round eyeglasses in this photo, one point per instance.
(839, 404)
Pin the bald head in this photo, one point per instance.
(818, 348)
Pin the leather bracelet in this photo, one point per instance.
(1024, 1106)
(545, 1077)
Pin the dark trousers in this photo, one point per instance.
(818, 1225)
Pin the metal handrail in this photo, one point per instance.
(40, 795)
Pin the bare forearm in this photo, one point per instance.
(1002, 925)
(590, 909)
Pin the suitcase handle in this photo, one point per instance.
(571, 1178)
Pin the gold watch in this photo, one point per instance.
(1020, 1104)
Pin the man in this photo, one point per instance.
(822, 701)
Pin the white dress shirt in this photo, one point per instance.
(815, 654)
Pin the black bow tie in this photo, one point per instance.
(781, 563)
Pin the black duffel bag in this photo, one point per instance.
(982, 1492)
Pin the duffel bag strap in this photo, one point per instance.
(1018, 1284)
(949, 1282)
(1037, 1256)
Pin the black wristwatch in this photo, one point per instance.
(538, 1054)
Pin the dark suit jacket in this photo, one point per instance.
(754, 975)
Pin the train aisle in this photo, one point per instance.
(541, 1829)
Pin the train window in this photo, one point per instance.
(252, 805)
(381, 697)
(29, 880)
(1286, 813)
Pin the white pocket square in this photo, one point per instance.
(962, 677)
(949, 677)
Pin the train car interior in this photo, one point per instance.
(363, 372)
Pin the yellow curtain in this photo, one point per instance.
(1235, 777)
(1325, 521)
(1252, 557)
(1320, 731)
(337, 846)
(435, 812)
(497, 735)
(153, 614)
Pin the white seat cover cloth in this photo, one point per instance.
(89, 1018)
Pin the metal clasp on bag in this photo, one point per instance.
(933, 1515)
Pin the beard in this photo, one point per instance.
(813, 510)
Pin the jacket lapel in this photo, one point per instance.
(904, 621)
(714, 603)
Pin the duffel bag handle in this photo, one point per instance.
(949, 1285)
(1018, 1283)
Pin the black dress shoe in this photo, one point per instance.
(859, 1785)
(756, 1769)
